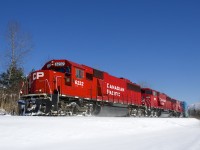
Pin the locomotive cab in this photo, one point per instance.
(49, 80)
(58, 83)
(149, 97)
(62, 67)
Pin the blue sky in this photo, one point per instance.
(156, 42)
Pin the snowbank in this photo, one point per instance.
(99, 133)
(2, 112)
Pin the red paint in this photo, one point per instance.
(80, 81)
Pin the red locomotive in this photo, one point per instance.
(63, 87)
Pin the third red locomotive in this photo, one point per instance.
(63, 87)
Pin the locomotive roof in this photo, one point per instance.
(62, 60)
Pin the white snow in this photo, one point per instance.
(98, 133)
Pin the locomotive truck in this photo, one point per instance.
(63, 87)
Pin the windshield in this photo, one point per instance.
(62, 69)
(148, 92)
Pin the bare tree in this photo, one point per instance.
(144, 84)
(19, 44)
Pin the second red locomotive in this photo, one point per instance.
(63, 87)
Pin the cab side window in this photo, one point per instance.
(79, 73)
(154, 93)
(68, 70)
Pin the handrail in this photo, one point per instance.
(46, 80)
(57, 82)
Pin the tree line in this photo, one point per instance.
(194, 110)
(18, 45)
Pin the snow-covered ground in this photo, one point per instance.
(98, 133)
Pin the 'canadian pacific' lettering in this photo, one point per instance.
(111, 88)
(114, 87)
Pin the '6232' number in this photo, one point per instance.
(81, 83)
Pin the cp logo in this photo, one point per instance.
(38, 75)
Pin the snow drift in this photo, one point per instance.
(99, 133)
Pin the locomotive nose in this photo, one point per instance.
(36, 82)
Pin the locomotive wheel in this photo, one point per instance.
(96, 109)
(74, 111)
(140, 113)
(152, 113)
(45, 107)
(133, 112)
(159, 113)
